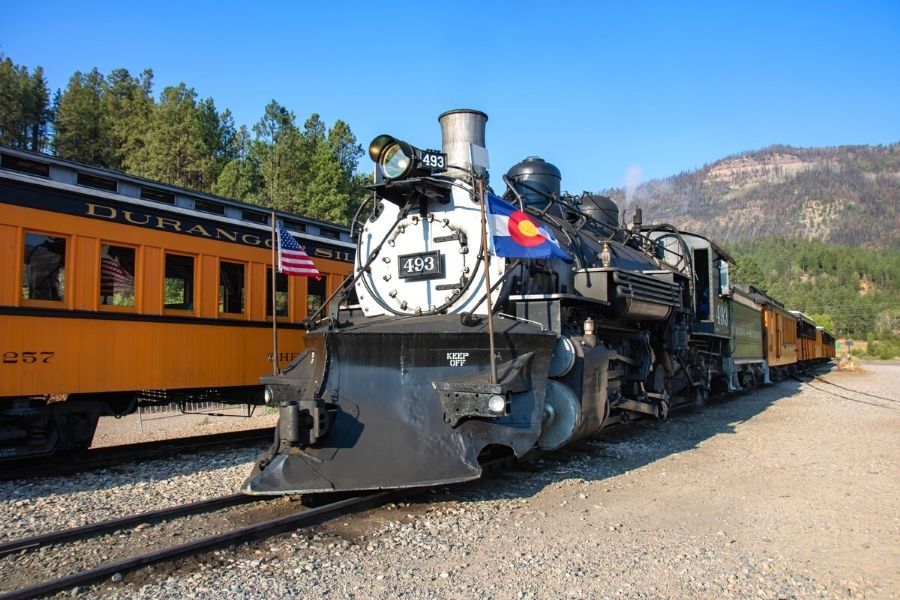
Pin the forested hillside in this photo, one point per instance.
(817, 228)
(852, 291)
(842, 195)
(116, 121)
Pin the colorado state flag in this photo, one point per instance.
(518, 235)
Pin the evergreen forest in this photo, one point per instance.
(115, 121)
(851, 291)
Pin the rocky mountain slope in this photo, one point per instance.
(844, 195)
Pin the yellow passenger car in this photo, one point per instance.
(809, 339)
(779, 332)
(781, 335)
(117, 290)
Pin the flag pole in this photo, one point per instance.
(485, 257)
(275, 369)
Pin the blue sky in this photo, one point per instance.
(597, 88)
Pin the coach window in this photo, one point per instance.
(44, 267)
(116, 275)
(24, 165)
(315, 294)
(157, 195)
(179, 282)
(231, 288)
(281, 293)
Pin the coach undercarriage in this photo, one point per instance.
(65, 424)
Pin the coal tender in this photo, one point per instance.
(478, 325)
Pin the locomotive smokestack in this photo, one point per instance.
(459, 129)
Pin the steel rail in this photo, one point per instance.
(266, 528)
(97, 458)
(94, 529)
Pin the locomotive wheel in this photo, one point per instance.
(561, 412)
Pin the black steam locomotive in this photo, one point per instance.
(442, 349)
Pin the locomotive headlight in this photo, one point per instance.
(377, 146)
(398, 160)
(497, 404)
(395, 157)
(394, 161)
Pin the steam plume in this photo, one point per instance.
(632, 180)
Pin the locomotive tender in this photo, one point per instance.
(429, 372)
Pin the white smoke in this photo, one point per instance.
(632, 181)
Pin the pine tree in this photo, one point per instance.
(10, 103)
(175, 151)
(324, 197)
(240, 178)
(80, 131)
(348, 152)
(280, 150)
(127, 107)
(24, 106)
(36, 110)
(218, 135)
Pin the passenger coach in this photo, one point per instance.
(116, 290)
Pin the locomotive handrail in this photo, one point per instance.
(511, 187)
(359, 271)
(509, 269)
(689, 260)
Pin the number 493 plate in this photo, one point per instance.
(424, 265)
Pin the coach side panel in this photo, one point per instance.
(69, 340)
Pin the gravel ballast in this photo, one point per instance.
(786, 492)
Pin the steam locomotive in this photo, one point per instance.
(476, 325)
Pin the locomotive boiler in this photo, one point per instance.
(477, 324)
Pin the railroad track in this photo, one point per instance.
(303, 518)
(98, 458)
(295, 520)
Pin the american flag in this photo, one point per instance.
(292, 260)
(114, 277)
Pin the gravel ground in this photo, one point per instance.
(146, 427)
(790, 491)
(31, 507)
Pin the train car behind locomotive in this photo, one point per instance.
(488, 324)
(118, 291)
